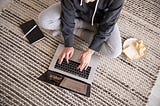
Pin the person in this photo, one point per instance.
(94, 21)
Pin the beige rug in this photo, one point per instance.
(118, 82)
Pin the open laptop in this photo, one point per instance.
(67, 76)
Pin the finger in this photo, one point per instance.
(61, 59)
(79, 66)
(86, 66)
(70, 55)
(79, 58)
(82, 66)
(67, 58)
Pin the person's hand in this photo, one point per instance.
(85, 58)
(67, 53)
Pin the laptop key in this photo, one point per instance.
(72, 68)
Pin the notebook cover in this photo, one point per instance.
(35, 35)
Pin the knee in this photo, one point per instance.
(49, 23)
(112, 52)
(44, 21)
(49, 17)
(115, 53)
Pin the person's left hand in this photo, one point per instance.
(85, 58)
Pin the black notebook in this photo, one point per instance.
(31, 31)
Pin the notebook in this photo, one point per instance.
(32, 31)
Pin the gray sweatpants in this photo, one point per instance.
(50, 19)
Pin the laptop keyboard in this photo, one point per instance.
(72, 68)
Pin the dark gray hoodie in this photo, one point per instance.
(105, 13)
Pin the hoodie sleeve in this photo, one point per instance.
(106, 26)
(67, 21)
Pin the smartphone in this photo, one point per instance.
(31, 31)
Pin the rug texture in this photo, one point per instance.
(118, 82)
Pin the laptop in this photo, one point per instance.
(68, 76)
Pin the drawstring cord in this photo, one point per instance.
(94, 11)
(81, 2)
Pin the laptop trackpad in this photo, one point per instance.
(74, 85)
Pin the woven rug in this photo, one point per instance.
(118, 82)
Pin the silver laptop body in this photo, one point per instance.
(93, 64)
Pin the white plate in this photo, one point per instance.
(129, 48)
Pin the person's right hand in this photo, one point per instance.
(67, 53)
